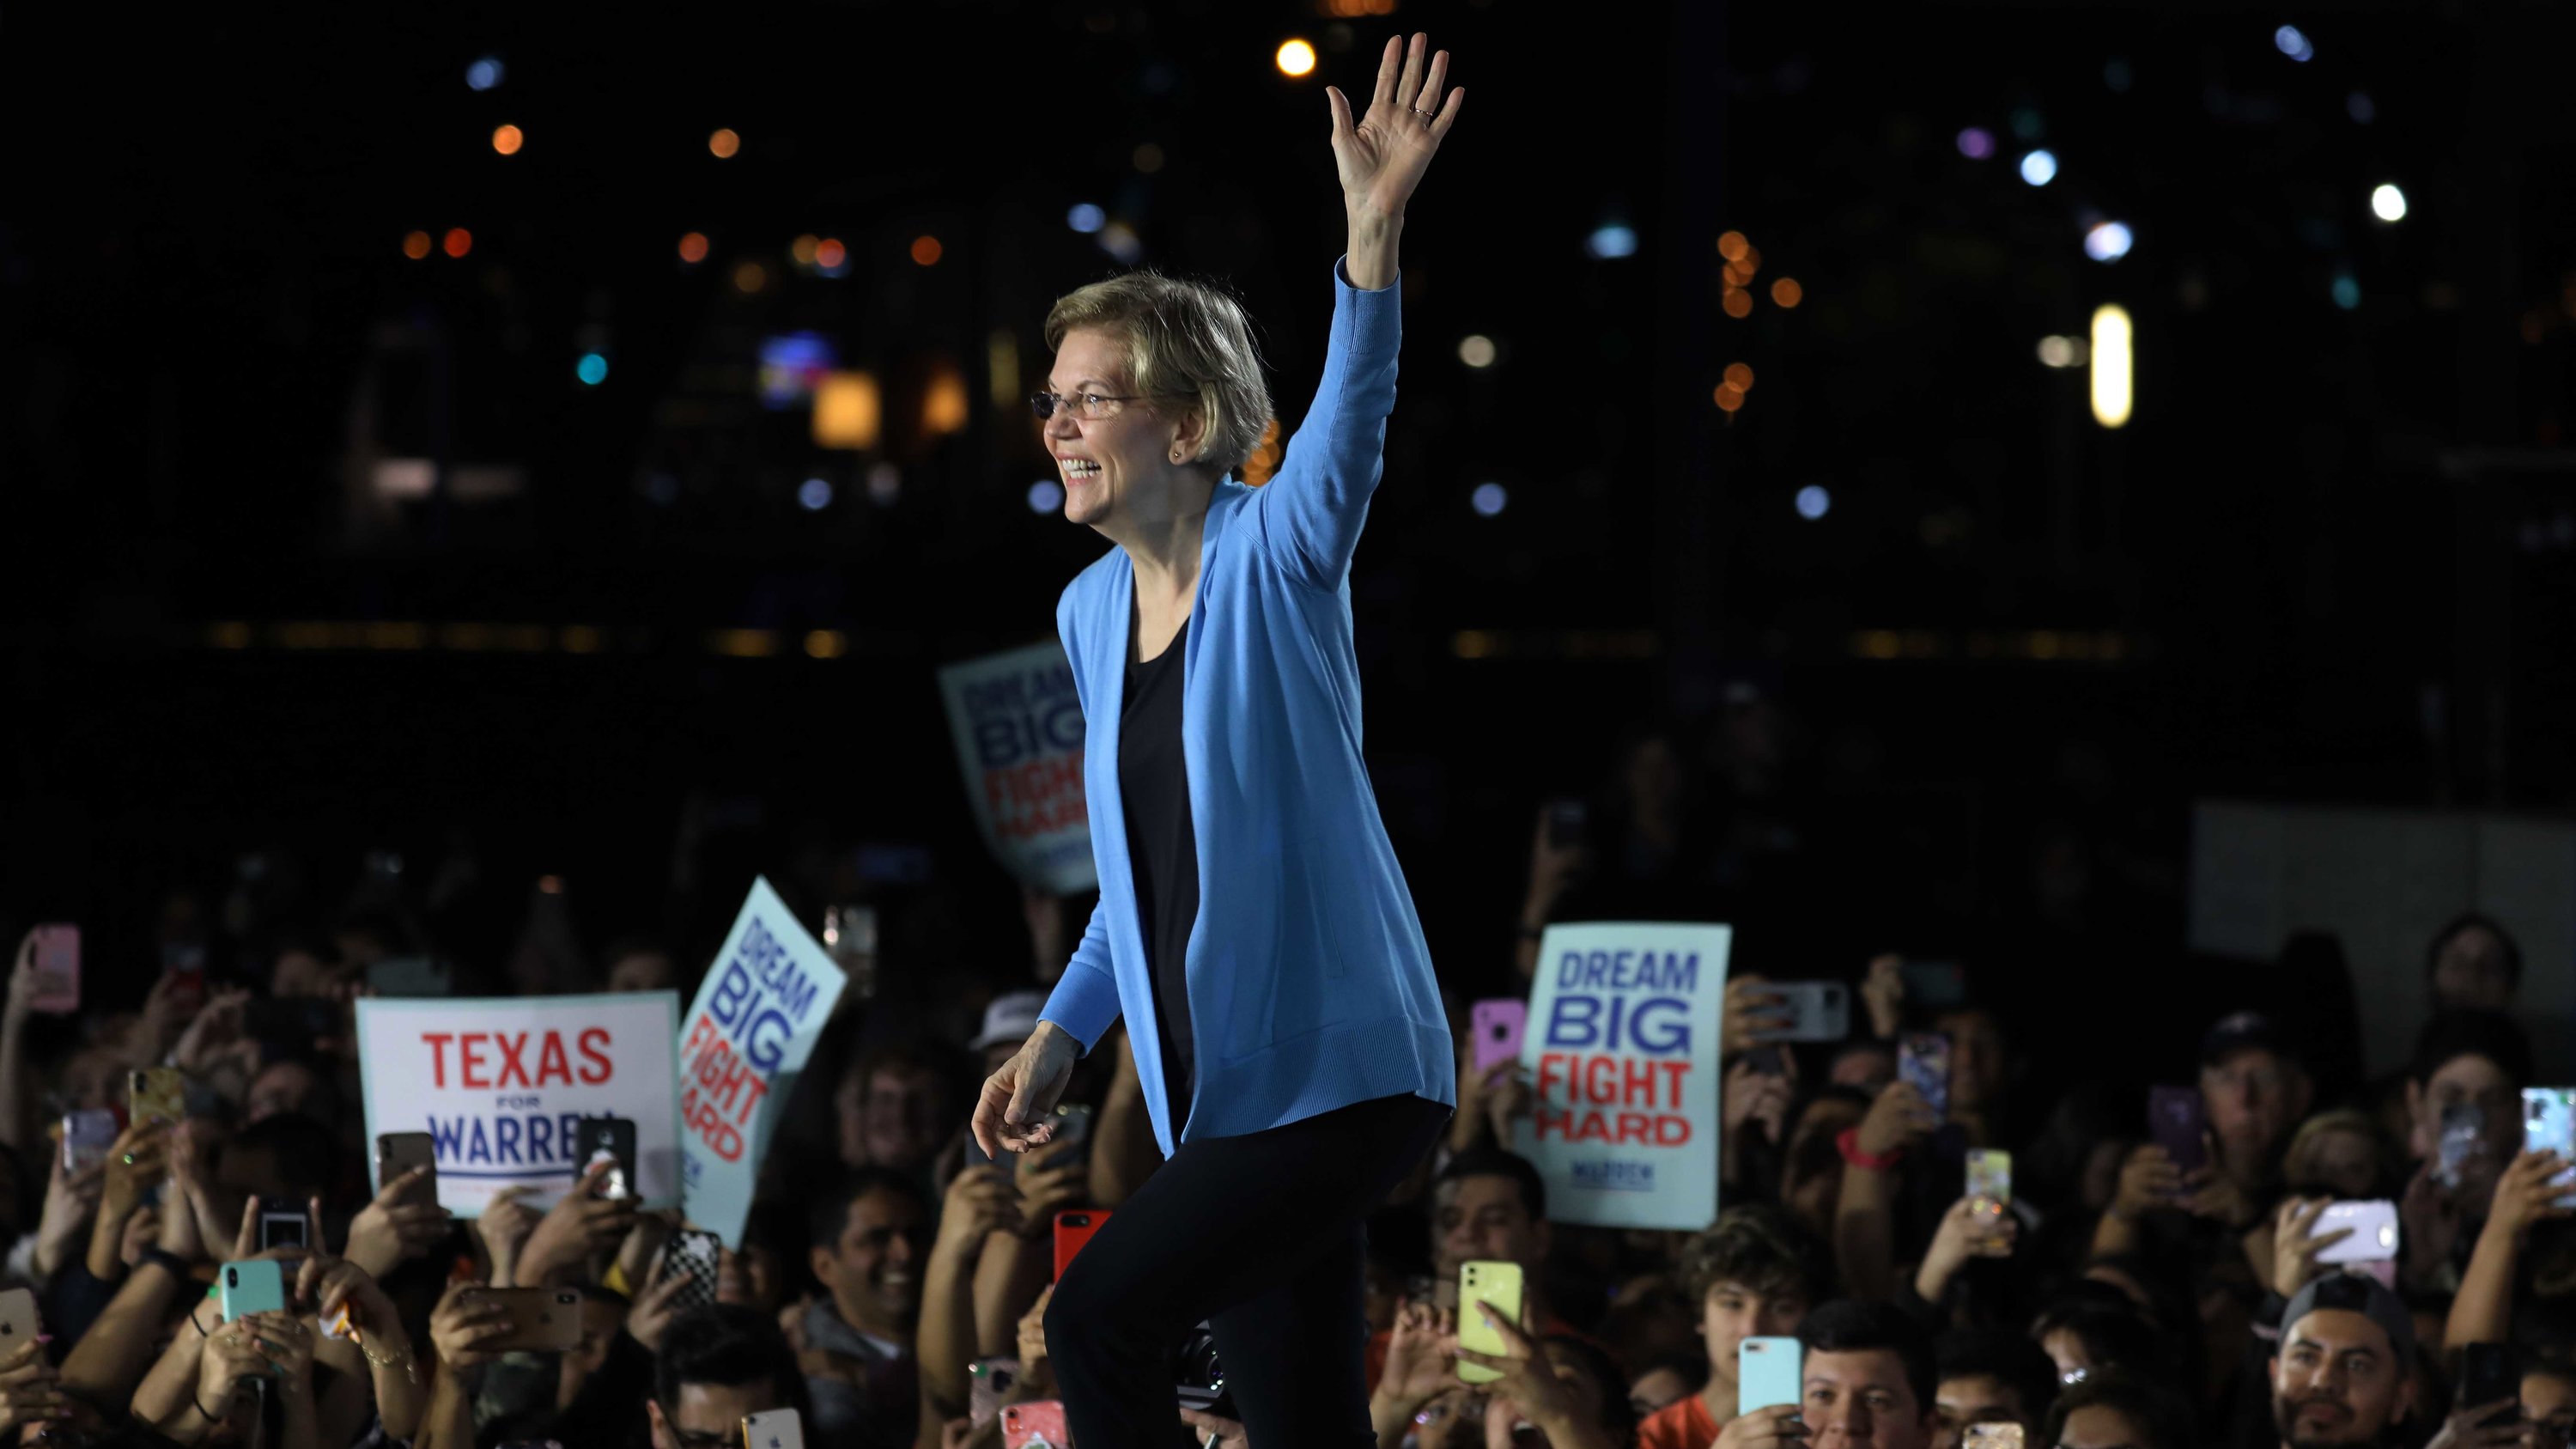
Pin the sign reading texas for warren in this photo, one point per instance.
(501, 1085)
(1622, 1050)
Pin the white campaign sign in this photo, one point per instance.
(1018, 726)
(500, 1084)
(1622, 1052)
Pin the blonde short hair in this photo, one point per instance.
(1181, 338)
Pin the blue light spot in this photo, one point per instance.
(484, 74)
(2293, 43)
(2347, 292)
(1086, 218)
(1813, 500)
(1045, 496)
(2107, 242)
(1488, 499)
(592, 369)
(1613, 240)
(815, 494)
(2039, 168)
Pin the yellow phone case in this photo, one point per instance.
(1485, 1281)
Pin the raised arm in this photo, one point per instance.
(1315, 507)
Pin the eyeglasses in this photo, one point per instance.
(1090, 407)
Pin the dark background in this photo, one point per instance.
(2332, 558)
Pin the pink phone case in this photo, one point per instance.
(57, 970)
(1498, 1025)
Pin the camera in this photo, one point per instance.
(1198, 1379)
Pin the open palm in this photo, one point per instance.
(1381, 156)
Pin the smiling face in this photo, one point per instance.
(871, 1272)
(2336, 1381)
(1118, 470)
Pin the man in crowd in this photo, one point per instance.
(1991, 1378)
(718, 1366)
(2342, 1372)
(2255, 1090)
(871, 1234)
(1755, 1274)
(894, 1110)
(1867, 1377)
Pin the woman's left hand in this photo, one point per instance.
(1381, 156)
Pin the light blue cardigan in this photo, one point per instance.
(1310, 985)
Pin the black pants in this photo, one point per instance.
(1260, 1235)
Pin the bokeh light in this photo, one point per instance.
(1732, 245)
(2293, 43)
(508, 139)
(2107, 241)
(802, 249)
(592, 369)
(1148, 158)
(2387, 202)
(2039, 168)
(2112, 365)
(1787, 293)
(417, 245)
(1738, 302)
(1729, 397)
(1296, 58)
(1086, 218)
(457, 242)
(1976, 143)
(693, 247)
(2358, 106)
(830, 255)
(925, 251)
(1488, 499)
(1739, 377)
(1045, 496)
(1814, 502)
(724, 144)
(1476, 350)
(1613, 240)
(484, 74)
(750, 277)
(2347, 291)
(814, 494)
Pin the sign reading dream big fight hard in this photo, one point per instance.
(501, 1085)
(1622, 1054)
(750, 1031)
(1018, 726)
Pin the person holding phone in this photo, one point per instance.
(1298, 1062)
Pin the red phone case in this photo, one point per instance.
(1069, 1239)
(1038, 1425)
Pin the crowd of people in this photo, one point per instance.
(892, 1284)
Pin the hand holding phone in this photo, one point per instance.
(692, 1254)
(1497, 1024)
(1037, 1425)
(611, 1139)
(2179, 1123)
(1767, 1375)
(773, 1429)
(2374, 1232)
(1923, 1059)
(398, 1153)
(1485, 1283)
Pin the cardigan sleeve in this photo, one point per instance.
(1085, 1001)
(1312, 511)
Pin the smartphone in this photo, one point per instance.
(87, 1135)
(18, 1318)
(542, 1320)
(400, 1152)
(2179, 1124)
(1818, 1011)
(1565, 824)
(691, 1254)
(612, 1138)
(1923, 1058)
(283, 1230)
(1497, 1024)
(412, 976)
(1038, 1425)
(987, 1379)
(1767, 1061)
(1072, 1230)
(155, 1094)
(1990, 1436)
(57, 970)
(2549, 1125)
(1489, 1281)
(773, 1429)
(1073, 1124)
(2464, 1130)
(976, 1156)
(1990, 1175)
(257, 1286)
(2488, 1372)
(2374, 1231)
(1766, 1374)
(1933, 985)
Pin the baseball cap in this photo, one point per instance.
(2240, 1030)
(1011, 1017)
(2358, 1293)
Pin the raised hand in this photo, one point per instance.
(1381, 156)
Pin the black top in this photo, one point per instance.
(1154, 786)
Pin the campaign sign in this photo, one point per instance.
(1622, 1054)
(501, 1085)
(1018, 725)
(754, 1023)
